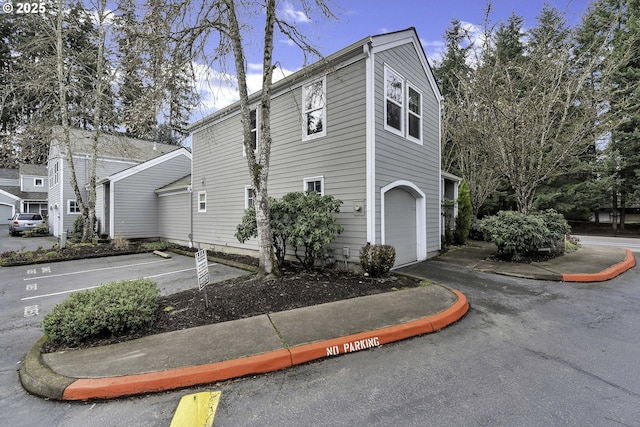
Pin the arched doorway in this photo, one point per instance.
(403, 221)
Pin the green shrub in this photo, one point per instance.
(304, 220)
(517, 235)
(377, 260)
(41, 230)
(112, 309)
(465, 211)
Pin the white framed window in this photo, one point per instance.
(314, 109)
(38, 182)
(394, 101)
(414, 114)
(253, 120)
(249, 196)
(314, 183)
(73, 208)
(54, 174)
(202, 201)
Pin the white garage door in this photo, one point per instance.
(400, 224)
(5, 214)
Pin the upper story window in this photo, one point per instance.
(314, 112)
(38, 182)
(202, 201)
(403, 107)
(394, 97)
(414, 114)
(315, 184)
(54, 174)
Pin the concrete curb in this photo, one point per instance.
(83, 389)
(608, 274)
(37, 378)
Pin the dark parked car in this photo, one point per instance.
(24, 221)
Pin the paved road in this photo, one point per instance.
(621, 242)
(529, 353)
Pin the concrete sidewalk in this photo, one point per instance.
(276, 341)
(588, 264)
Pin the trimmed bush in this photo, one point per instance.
(517, 235)
(377, 260)
(303, 220)
(112, 309)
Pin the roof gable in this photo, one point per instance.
(181, 151)
(362, 47)
(112, 146)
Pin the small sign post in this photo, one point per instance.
(202, 270)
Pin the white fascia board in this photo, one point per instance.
(11, 196)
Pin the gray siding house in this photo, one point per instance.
(362, 125)
(115, 154)
(127, 205)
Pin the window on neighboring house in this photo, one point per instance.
(315, 183)
(202, 201)
(314, 110)
(249, 196)
(414, 114)
(253, 119)
(38, 182)
(73, 207)
(393, 108)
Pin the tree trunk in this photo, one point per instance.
(614, 210)
(64, 112)
(258, 168)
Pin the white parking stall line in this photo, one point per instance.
(168, 273)
(91, 271)
(58, 293)
(93, 287)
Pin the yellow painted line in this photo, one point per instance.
(196, 410)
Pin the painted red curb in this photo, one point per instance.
(364, 340)
(106, 388)
(608, 274)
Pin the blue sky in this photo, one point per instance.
(361, 18)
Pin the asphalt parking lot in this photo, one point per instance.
(31, 291)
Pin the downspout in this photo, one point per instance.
(190, 190)
(370, 143)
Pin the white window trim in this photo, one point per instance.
(246, 196)
(35, 182)
(391, 129)
(69, 202)
(409, 112)
(312, 179)
(255, 152)
(305, 136)
(202, 193)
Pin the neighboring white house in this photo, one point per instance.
(23, 190)
(115, 154)
(362, 125)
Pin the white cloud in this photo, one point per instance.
(219, 89)
(289, 12)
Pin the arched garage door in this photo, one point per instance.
(400, 224)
